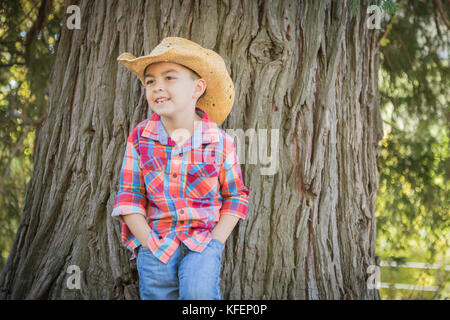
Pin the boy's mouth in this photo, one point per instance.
(161, 100)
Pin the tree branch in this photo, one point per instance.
(438, 5)
(7, 65)
(388, 29)
(30, 122)
(38, 23)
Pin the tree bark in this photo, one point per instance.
(301, 67)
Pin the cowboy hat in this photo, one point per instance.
(218, 98)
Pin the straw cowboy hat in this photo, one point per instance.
(218, 98)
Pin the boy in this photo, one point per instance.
(181, 191)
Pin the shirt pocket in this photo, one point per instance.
(153, 172)
(201, 181)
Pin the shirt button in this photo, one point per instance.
(181, 211)
(174, 175)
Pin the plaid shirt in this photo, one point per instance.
(180, 190)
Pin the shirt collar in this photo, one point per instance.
(207, 132)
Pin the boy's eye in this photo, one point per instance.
(150, 81)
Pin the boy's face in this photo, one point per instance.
(174, 82)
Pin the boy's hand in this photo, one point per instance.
(138, 226)
(224, 227)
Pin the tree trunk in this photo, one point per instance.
(303, 68)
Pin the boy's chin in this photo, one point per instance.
(167, 111)
(163, 110)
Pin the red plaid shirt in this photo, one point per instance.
(180, 190)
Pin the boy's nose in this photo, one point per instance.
(157, 86)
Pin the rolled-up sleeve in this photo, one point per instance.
(131, 197)
(235, 194)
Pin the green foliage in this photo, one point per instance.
(413, 198)
(29, 34)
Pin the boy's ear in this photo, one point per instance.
(200, 88)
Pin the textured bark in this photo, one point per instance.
(301, 67)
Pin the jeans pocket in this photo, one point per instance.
(216, 243)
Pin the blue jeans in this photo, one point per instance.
(188, 275)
